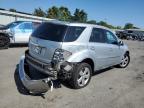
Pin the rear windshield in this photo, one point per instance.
(58, 33)
(49, 31)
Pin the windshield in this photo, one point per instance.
(57, 32)
(13, 24)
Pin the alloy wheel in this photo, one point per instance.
(84, 76)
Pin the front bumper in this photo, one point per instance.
(34, 86)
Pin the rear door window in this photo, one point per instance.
(98, 35)
(26, 26)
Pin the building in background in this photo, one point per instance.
(7, 17)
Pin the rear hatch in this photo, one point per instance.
(45, 40)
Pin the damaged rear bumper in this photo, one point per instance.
(34, 86)
(45, 83)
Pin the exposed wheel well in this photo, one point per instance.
(127, 52)
(90, 62)
(5, 41)
(3, 34)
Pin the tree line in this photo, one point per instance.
(63, 14)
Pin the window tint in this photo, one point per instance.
(97, 35)
(73, 33)
(111, 39)
(26, 26)
(50, 31)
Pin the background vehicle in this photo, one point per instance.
(16, 32)
(122, 34)
(71, 51)
(131, 34)
(142, 38)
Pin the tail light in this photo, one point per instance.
(61, 55)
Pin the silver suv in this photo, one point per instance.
(69, 51)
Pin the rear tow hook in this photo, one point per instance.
(49, 82)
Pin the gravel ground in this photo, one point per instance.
(110, 88)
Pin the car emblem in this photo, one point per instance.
(37, 49)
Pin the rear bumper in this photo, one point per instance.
(46, 68)
(34, 86)
(43, 84)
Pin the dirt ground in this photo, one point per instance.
(110, 88)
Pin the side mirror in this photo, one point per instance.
(121, 43)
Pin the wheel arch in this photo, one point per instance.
(3, 34)
(90, 62)
(127, 52)
(4, 44)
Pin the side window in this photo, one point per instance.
(111, 39)
(21, 26)
(73, 32)
(26, 26)
(97, 35)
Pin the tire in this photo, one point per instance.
(125, 61)
(4, 42)
(81, 76)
